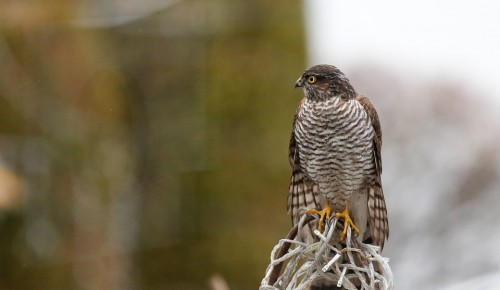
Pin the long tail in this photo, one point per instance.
(378, 221)
(302, 195)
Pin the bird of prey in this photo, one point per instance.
(334, 152)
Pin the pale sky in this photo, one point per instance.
(457, 40)
(426, 40)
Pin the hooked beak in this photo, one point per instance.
(299, 82)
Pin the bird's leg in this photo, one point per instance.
(347, 221)
(326, 212)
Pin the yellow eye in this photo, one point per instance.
(312, 79)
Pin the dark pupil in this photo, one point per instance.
(311, 79)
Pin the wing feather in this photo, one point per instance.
(378, 222)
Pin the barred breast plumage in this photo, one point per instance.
(334, 138)
(335, 152)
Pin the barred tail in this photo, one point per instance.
(378, 221)
(302, 195)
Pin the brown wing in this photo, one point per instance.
(377, 141)
(378, 221)
(302, 193)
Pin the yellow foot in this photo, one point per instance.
(347, 221)
(326, 212)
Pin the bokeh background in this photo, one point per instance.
(143, 145)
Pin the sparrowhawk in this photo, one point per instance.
(335, 154)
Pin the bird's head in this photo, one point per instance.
(323, 81)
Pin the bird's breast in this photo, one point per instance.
(335, 141)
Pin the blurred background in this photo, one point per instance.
(143, 145)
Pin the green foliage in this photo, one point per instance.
(151, 154)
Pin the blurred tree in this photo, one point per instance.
(151, 141)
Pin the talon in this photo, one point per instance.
(347, 221)
(326, 212)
